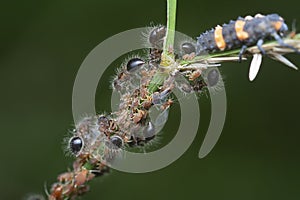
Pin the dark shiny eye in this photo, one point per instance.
(75, 144)
(213, 77)
(134, 64)
(187, 48)
(117, 141)
(156, 36)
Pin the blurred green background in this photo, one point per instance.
(43, 44)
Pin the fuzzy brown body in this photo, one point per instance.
(242, 32)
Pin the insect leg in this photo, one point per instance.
(281, 42)
(242, 51)
(259, 46)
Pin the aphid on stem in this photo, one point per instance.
(148, 83)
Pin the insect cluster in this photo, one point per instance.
(98, 140)
(144, 83)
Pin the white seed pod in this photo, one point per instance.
(255, 66)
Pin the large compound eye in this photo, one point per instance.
(75, 144)
(117, 141)
(134, 64)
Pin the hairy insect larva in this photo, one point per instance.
(242, 33)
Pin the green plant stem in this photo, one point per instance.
(167, 57)
(171, 22)
(157, 81)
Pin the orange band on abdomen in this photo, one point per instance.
(239, 30)
(277, 25)
(219, 39)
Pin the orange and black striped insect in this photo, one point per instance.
(242, 33)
